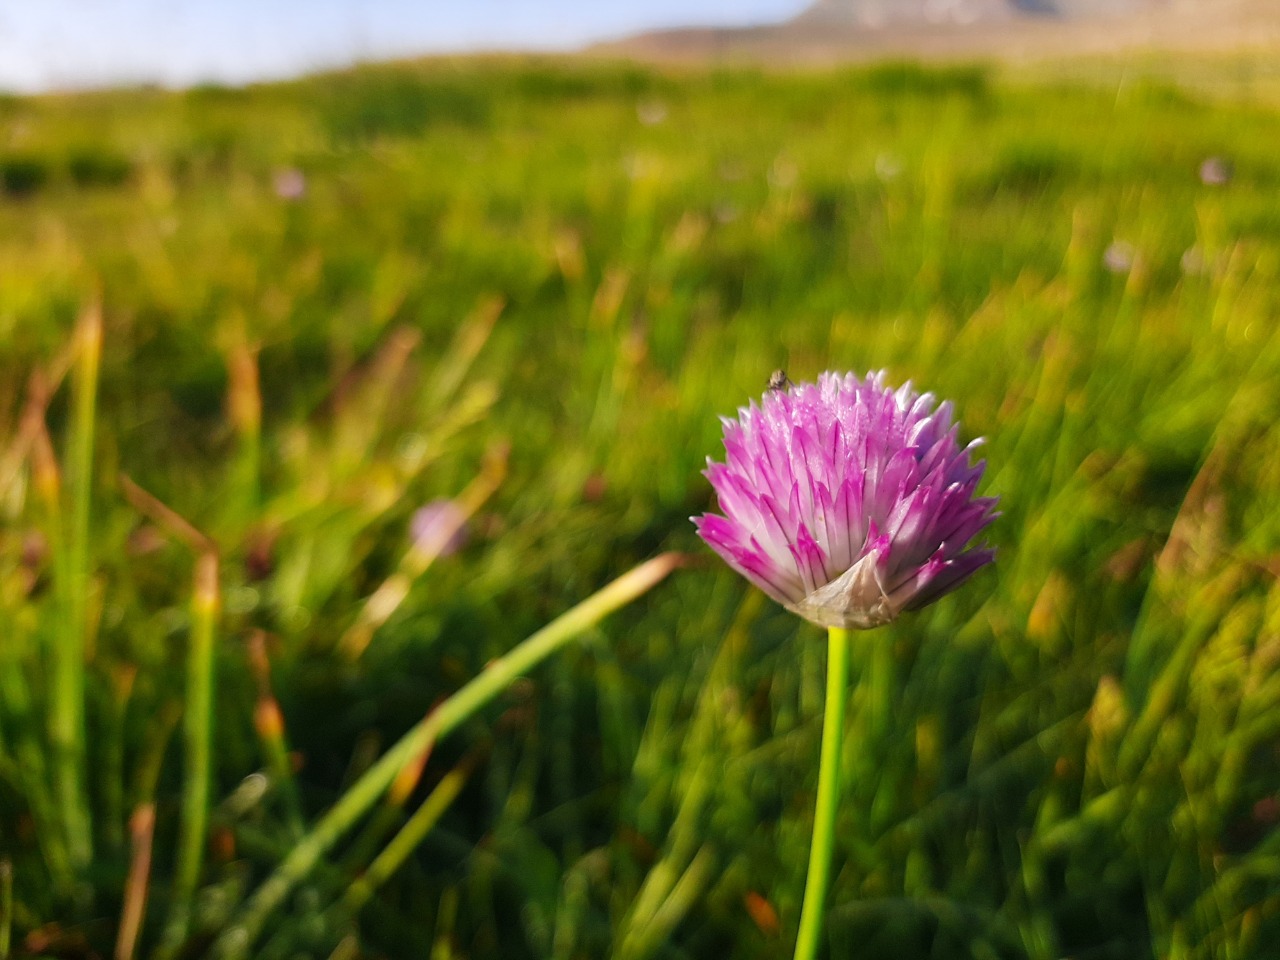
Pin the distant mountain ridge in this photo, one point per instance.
(873, 14)
(836, 31)
(877, 13)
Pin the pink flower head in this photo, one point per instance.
(846, 501)
(290, 184)
(439, 529)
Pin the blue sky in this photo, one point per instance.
(60, 43)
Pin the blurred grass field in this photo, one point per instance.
(266, 325)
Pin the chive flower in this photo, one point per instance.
(439, 528)
(847, 501)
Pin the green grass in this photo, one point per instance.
(502, 284)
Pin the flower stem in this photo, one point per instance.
(824, 817)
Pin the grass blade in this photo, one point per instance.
(66, 720)
(238, 938)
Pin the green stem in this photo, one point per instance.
(6, 907)
(198, 731)
(238, 939)
(198, 724)
(67, 707)
(407, 840)
(824, 817)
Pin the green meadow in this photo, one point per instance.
(246, 333)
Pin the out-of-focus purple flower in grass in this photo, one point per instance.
(439, 528)
(1215, 172)
(290, 183)
(1119, 257)
(848, 501)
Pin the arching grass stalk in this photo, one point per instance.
(238, 938)
(824, 817)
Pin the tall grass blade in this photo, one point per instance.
(67, 730)
(238, 939)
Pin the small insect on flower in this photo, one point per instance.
(848, 501)
(778, 380)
